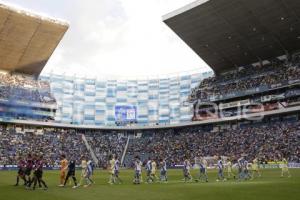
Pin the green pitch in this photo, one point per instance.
(270, 186)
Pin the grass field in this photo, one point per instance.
(270, 186)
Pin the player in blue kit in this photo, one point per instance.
(203, 171)
(117, 170)
(247, 174)
(88, 174)
(163, 171)
(240, 165)
(148, 170)
(220, 170)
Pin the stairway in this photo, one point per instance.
(125, 150)
(94, 157)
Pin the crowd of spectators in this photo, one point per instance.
(50, 143)
(105, 144)
(54, 142)
(266, 141)
(23, 88)
(246, 78)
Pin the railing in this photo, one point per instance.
(255, 90)
(125, 150)
(29, 104)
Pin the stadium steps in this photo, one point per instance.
(94, 157)
(125, 150)
(129, 156)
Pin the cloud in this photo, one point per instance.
(117, 37)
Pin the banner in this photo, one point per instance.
(234, 104)
(278, 165)
(272, 97)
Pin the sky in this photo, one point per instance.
(125, 38)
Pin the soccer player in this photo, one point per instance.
(63, 169)
(163, 171)
(148, 170)
(117, 170)
(186, 170)
(229, 169)
(137, 170)
(255, 169)
(112, 162)
(246, 170)
(88, 174)
(153, 170)
(203, 171)
(220, 170)
(28, 168)
(38, 174)
(285, 168)
(83, 169)
(21, 171)
(241, 168)
(71, 173)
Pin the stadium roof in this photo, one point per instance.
(27, 40)
(231, 33)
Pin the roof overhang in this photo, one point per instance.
(231, 33)
(27, 40)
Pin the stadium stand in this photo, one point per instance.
(272, 83)
(24, 97)
(27, 42)
(273, 86)
(25, 88)
(266, 140)
(247, 78)
(52, 143)
(266, 143)
(106, 143)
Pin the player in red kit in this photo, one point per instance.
(21, 171)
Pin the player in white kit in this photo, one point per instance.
(137, 170)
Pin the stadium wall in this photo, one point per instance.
(86, 101)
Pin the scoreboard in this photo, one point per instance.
(126, 113)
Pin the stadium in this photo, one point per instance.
(232, 132)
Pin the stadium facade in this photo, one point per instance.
(85, 101)
(104, 103)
